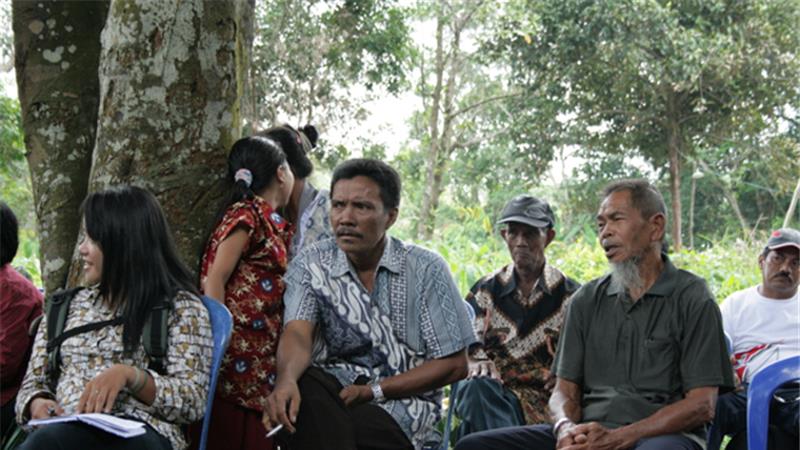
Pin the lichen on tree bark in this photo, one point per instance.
(57, 49)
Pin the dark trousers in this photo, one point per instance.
(540, 437)
(485, 404)
(7, 418)
(79, 436)
(325, 423)
(730, 419)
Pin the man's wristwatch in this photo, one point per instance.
(560, 424)
(377, 392)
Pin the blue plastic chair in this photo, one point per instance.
(221, 327)
(759, 396)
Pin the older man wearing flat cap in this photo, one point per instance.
(519, 310)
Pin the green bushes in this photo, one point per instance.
(473, 248)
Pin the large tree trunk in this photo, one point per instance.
(57, 49)
(171, 76)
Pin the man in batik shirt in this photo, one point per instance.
(374, 327)
(519, 311)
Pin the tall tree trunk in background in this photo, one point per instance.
(692, 192)
(792, 205)
(57, 49)
(171, 76)
(249, 105)
(444, 144)
(426, 216)
(674, 148)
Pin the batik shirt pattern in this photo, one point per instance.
(253, 294)
(413, 314)
(181, 392)
(514, 332)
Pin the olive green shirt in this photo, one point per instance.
(633, 358)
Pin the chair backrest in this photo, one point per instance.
(728, 343)
(221, 327)
(759, 395)
(451, 406)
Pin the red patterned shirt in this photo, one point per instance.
(253, 294)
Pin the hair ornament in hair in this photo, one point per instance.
(244, 175)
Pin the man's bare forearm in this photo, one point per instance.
(294, 350)
(696, 409)
(426, 377)
(565, 402)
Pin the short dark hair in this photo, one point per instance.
(644, 196)
(378, 171)
(295, 144)
(9, 234)
(141, 266)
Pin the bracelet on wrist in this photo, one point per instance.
(560, 424)
(139, 381)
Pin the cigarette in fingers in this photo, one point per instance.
(275, 430)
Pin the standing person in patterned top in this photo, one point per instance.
(374, 327)
(519, 311)
(243, 264)
(309, 208)
(131, 267)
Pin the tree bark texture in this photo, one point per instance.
(171, 77)
(57, 49)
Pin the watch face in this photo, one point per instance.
(377, 392)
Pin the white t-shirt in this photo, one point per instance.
(763, 330)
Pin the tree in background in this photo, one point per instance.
(475, 131)
(162, 85)
(318, 62)
(57, 50)
(665, 80)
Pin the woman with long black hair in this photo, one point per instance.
(131, 269)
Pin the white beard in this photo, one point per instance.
(626, 273)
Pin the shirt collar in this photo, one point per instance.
(390, 260)
(509, 274)
(663, 286)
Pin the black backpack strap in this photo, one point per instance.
(56, 343)
(155, 335)
(56, 310)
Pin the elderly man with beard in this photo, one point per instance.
(519, 312)
(642, 354)
(764, 326)
(374, 327)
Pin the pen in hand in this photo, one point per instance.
(275, 430)
(51, 411)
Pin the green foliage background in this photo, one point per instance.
(15, 186)
(473, 248)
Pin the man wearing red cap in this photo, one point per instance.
(763, 323)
